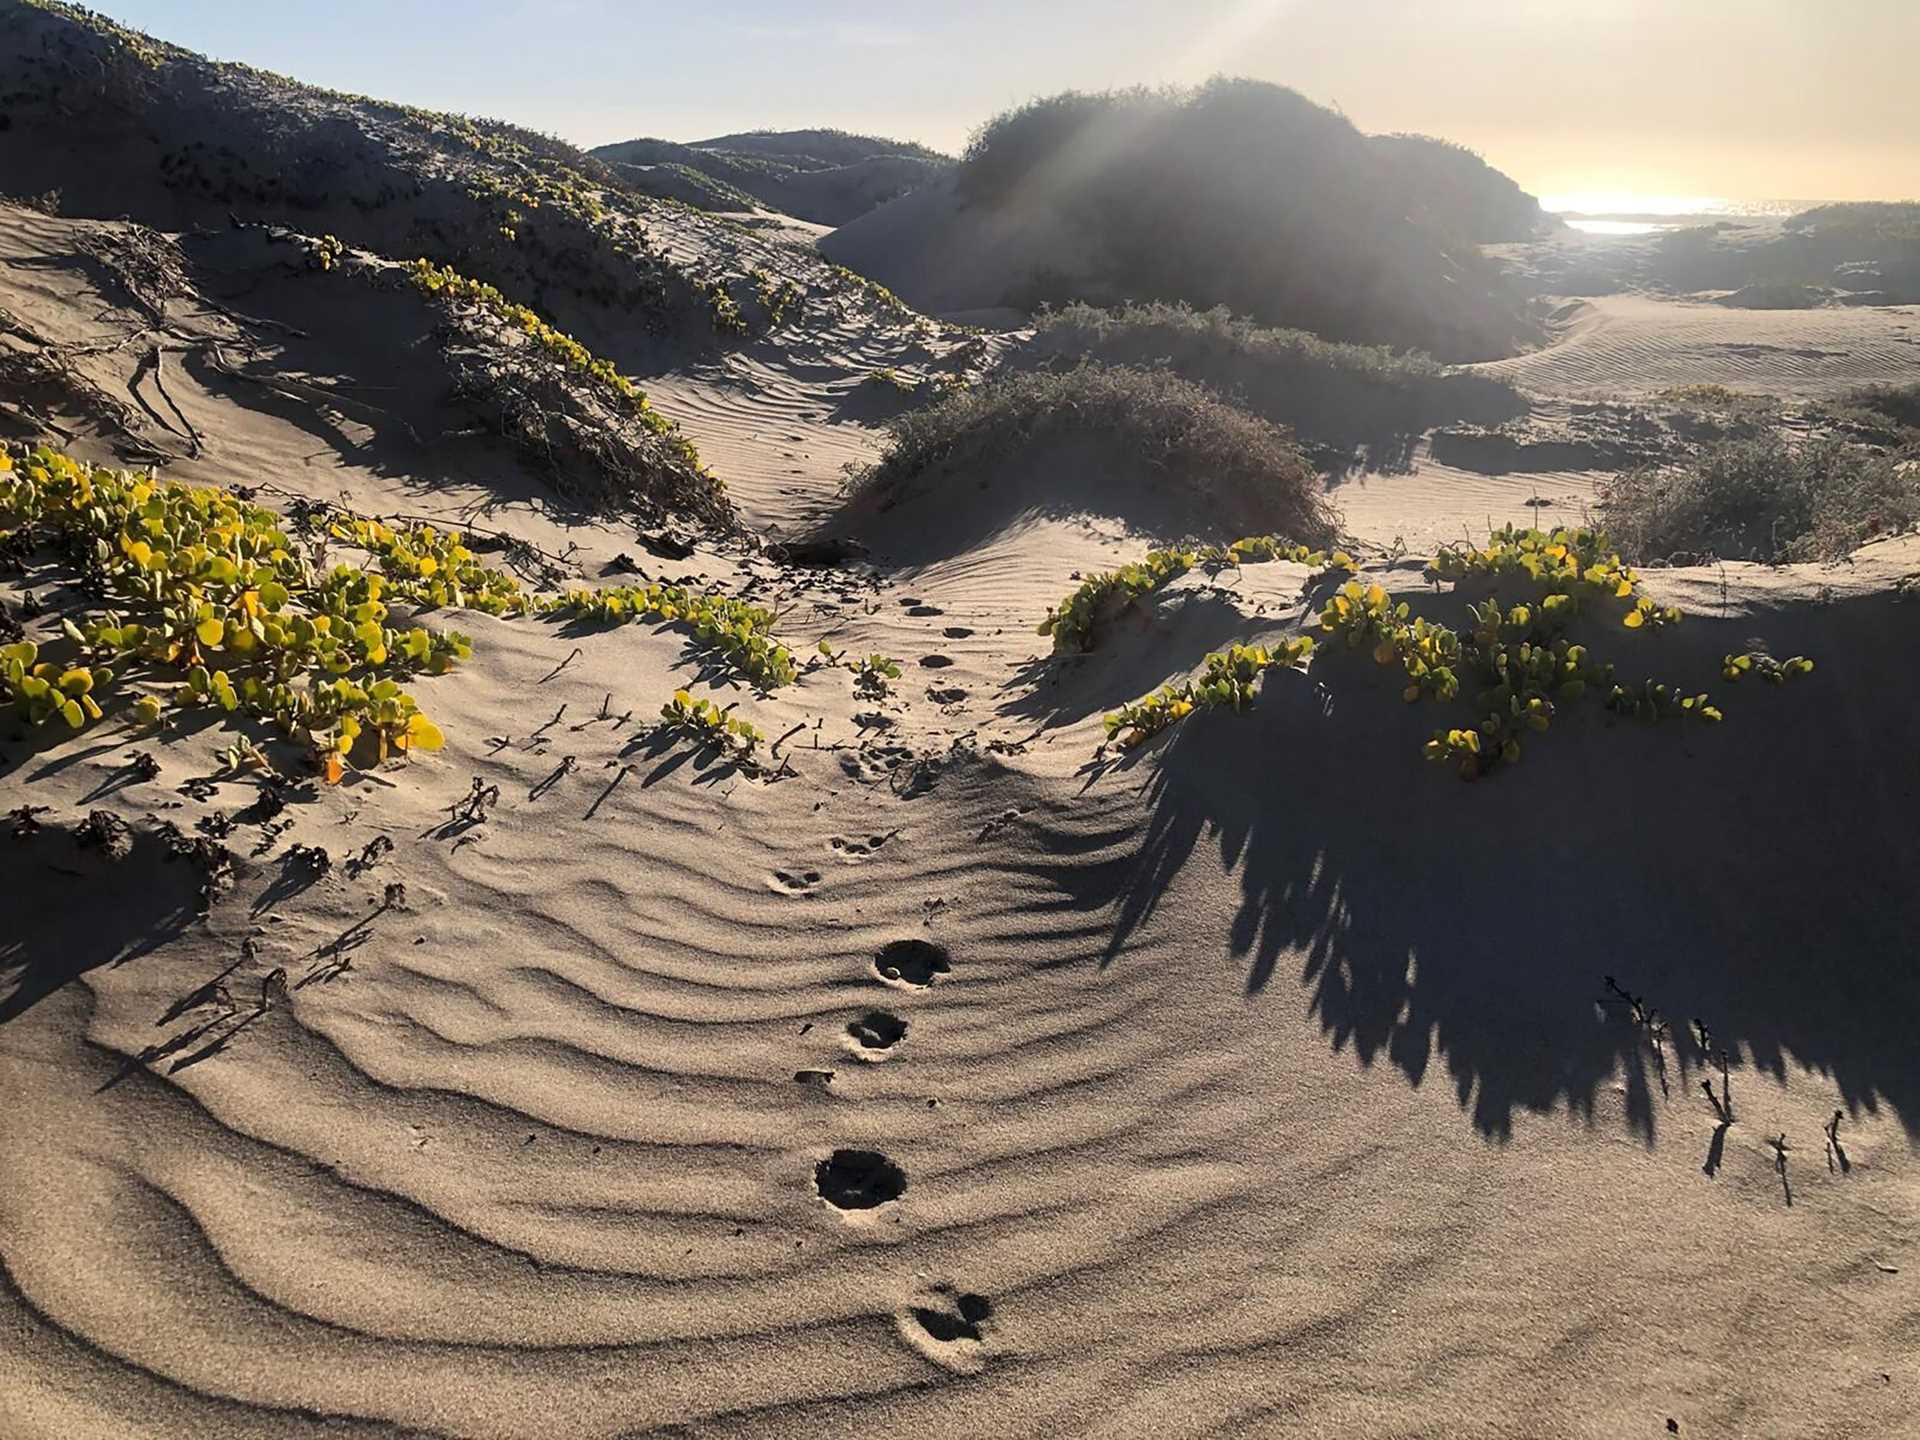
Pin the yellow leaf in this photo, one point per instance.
(211, 632)
(1634, 620)
(423, 734)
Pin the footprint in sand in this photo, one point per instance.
(913, 963)
(793, 882)
(907, 602)
(874, 1035)
(924, 610)
(946, 695)
(936, 662)
(858, 1180)
(957, 632)
(948, 1326)
(850, 848)
(874, 763)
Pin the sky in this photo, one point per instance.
(1746, 99)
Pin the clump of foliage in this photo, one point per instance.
(1247, 472)
(1765, 667)
(891, 379)
(776, 296)
(444, 283)
(571, 412)
(1140, 328)
(1762, 499)
(737, 629)
(205, 600)
(1898, 403)
(1073, 622)
(880, 296)
(1227, 678)
(1520, 654)
(1516, 659)
(873, 676)
(431, 568)
(1328, 392)
(711, 726)
(1653, 700)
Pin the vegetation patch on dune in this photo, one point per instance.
(205, 140)
(528, 388)
(740, 632)
(1326, 390)
(207, 601)
(1897, 403)
(1244, 468)
(202, 600)
(1762, 499)
(1520, 654)
(1453, 187)
(827, 176)
(1248, 194)
(1074, 622)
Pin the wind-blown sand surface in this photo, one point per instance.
(1260, 1084)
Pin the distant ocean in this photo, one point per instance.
(1615, 213)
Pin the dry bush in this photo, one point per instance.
(1762, 499)
(1237, 462)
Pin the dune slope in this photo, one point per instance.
(940, 1069)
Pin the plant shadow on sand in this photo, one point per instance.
(73, 910)
(1757, 874)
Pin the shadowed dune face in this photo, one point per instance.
(1755, 876)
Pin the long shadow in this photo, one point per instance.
(70, 911)
(1757, 874)
(1153, 639)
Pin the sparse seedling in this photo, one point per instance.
(1836, 1152)
(312, 858)
(24, 822)
(370, 855)
(1647, 1019)
(473, 807)
(106, 832)
(871, 676)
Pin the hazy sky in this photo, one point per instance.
(1812, 99)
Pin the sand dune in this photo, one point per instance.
(952, 1074)
(1636, 344)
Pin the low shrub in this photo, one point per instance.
(1244, 467)
(1761, 499)
(1898, 403)
(1324, 389)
